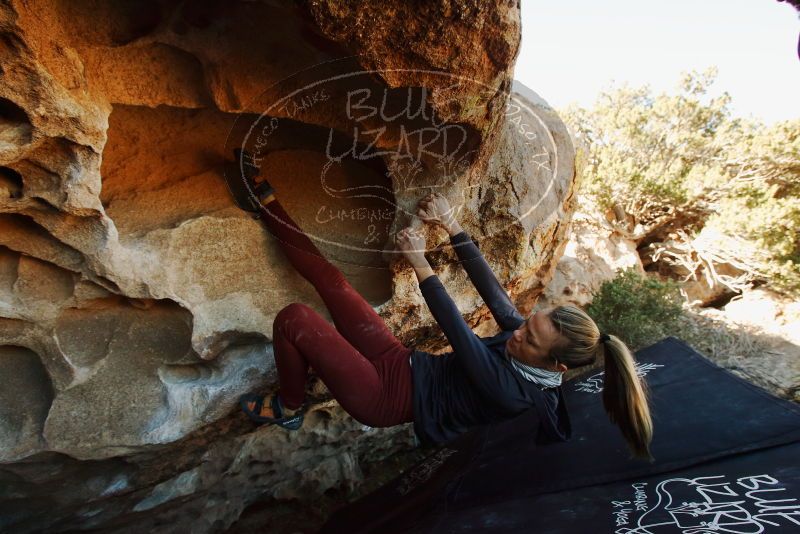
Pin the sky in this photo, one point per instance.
(571, 50)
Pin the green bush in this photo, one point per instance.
(651, 150)
(638, 309)
(763, 205)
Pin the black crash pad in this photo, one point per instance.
(727, 459)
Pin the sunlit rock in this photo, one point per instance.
(137, 301)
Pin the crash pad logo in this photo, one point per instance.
(709, 505)
(420, 474)
(594, 384)
(350, 157)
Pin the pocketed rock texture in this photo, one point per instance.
(136, 299)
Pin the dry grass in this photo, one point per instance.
(736, 347)
(718, 339)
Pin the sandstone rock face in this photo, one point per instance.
(593, 255)
(137, 301)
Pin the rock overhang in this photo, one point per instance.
(132, 277)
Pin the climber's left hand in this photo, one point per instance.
(412, 244)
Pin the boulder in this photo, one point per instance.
(593, 255)
(137, 301)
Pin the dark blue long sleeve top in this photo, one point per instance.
(476, 384)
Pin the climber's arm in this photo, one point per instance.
(480, 365)
(475, 358)
(436, 209)
(423, 271)
(484, 279)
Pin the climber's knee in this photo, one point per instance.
(296, 312)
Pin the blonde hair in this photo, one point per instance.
(625, 395)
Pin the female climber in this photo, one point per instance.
(380, 382)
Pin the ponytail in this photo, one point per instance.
(625, 395)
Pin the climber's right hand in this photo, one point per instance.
(435, 209)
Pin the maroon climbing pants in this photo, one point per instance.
(362, 363)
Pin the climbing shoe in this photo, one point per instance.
(240, 178)
(289, 422)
